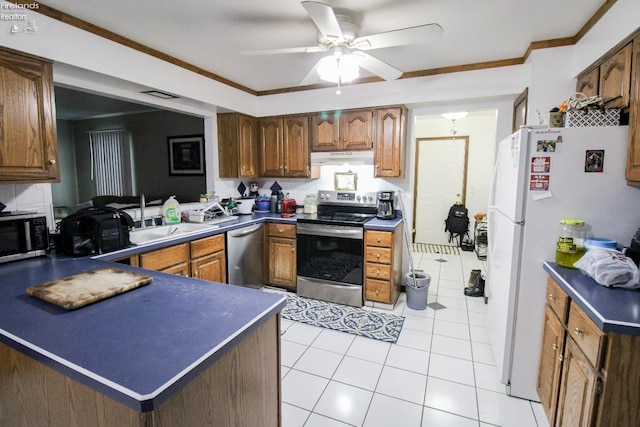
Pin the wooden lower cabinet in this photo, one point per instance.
(281, 256)
(172, 260)
(586, 377)
(208, 260)
(202, 258)
(382, 256)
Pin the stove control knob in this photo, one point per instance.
(370, 198)
(359, 197)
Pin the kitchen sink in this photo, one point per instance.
(222, 219)
(155, 234)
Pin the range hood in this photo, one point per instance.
(342, 158)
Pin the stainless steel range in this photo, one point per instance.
(330, 247)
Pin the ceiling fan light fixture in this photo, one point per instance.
(455, 116)
(343, 68)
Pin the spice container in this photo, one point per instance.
(570, 246)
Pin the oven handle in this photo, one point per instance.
(330, 231)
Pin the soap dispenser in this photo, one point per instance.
(171, 211)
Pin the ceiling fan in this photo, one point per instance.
(339, 36)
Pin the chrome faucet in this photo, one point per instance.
(142, 206)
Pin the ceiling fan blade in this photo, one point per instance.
(284, 50)
(312, 76)
(325, 19)
(411, 35)
(377, 67)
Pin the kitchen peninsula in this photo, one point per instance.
(178, 351)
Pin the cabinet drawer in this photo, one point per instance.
(377, 255)
(167, 257)
(379, 238)
(377, 290)
(586, 334)
(281, 230)
(558, 300)
(378, 271)
(206, 246)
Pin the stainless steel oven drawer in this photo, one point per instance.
(340, 293)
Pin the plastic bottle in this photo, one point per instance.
(570, 246)
(310, 204)
(171, 211)
(274, 202)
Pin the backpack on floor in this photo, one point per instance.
(457, 222)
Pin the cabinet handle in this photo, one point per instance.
(280, 230)
(378, 240)
(286, 168)
(551, 297)
(554, 347)
(378, 272)
(293, 249)
(52, 162)
(335, 140)
(377, 292)
(242, 167)
(377, 255)
(578, 331)
(195, 273)
(561, 358)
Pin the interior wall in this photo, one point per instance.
(149, 132)
(65, 193)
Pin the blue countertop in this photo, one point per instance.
(138, 347)
(611, 309)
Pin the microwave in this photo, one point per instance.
(22, 235)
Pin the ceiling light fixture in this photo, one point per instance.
(339, 67)
(453, 117)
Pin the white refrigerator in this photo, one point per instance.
(542, 176)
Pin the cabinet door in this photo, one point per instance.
(164, 258)
(378, 291)
(28, 138)
(181, 269)
(389, 143)
(296, 147)
(211, 267)
(248, 146)
(270, 146)
(578, 389)
(282, 262)
(550, 366)
(588, 83)
(355, 130)
(324, 132)
(633, 144)
(615, 78)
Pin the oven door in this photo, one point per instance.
(330, 263)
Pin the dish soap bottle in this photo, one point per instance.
(171, 211)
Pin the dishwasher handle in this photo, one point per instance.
(244, 231)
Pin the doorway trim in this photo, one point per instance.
(415, 174)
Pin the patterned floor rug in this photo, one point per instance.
(353, 320)
(430, 248)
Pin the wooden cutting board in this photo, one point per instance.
(85, 288)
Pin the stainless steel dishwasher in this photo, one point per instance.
(245, 248)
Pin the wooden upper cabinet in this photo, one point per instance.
(389, 142)
(284, 146)
(270, 146)
(633, 145)
(295, 147)
(615, 78)
(588, 82)
(237, 146)
(342, 130)
(28, 140)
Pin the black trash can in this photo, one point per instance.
(417, 286)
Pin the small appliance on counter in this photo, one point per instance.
(245, 205)
(24, 235)
(385, 205)
(289, 206)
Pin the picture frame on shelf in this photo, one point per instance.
(186, 155)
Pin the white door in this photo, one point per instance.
(440, 182)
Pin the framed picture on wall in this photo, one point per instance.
(186, 155)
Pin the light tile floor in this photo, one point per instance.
(441, 372)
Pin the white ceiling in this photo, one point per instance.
(210, 34)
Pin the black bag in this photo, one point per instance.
(94, 231)
(457, 222)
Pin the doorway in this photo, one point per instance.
(440, 181)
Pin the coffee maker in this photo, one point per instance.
(385, 205)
